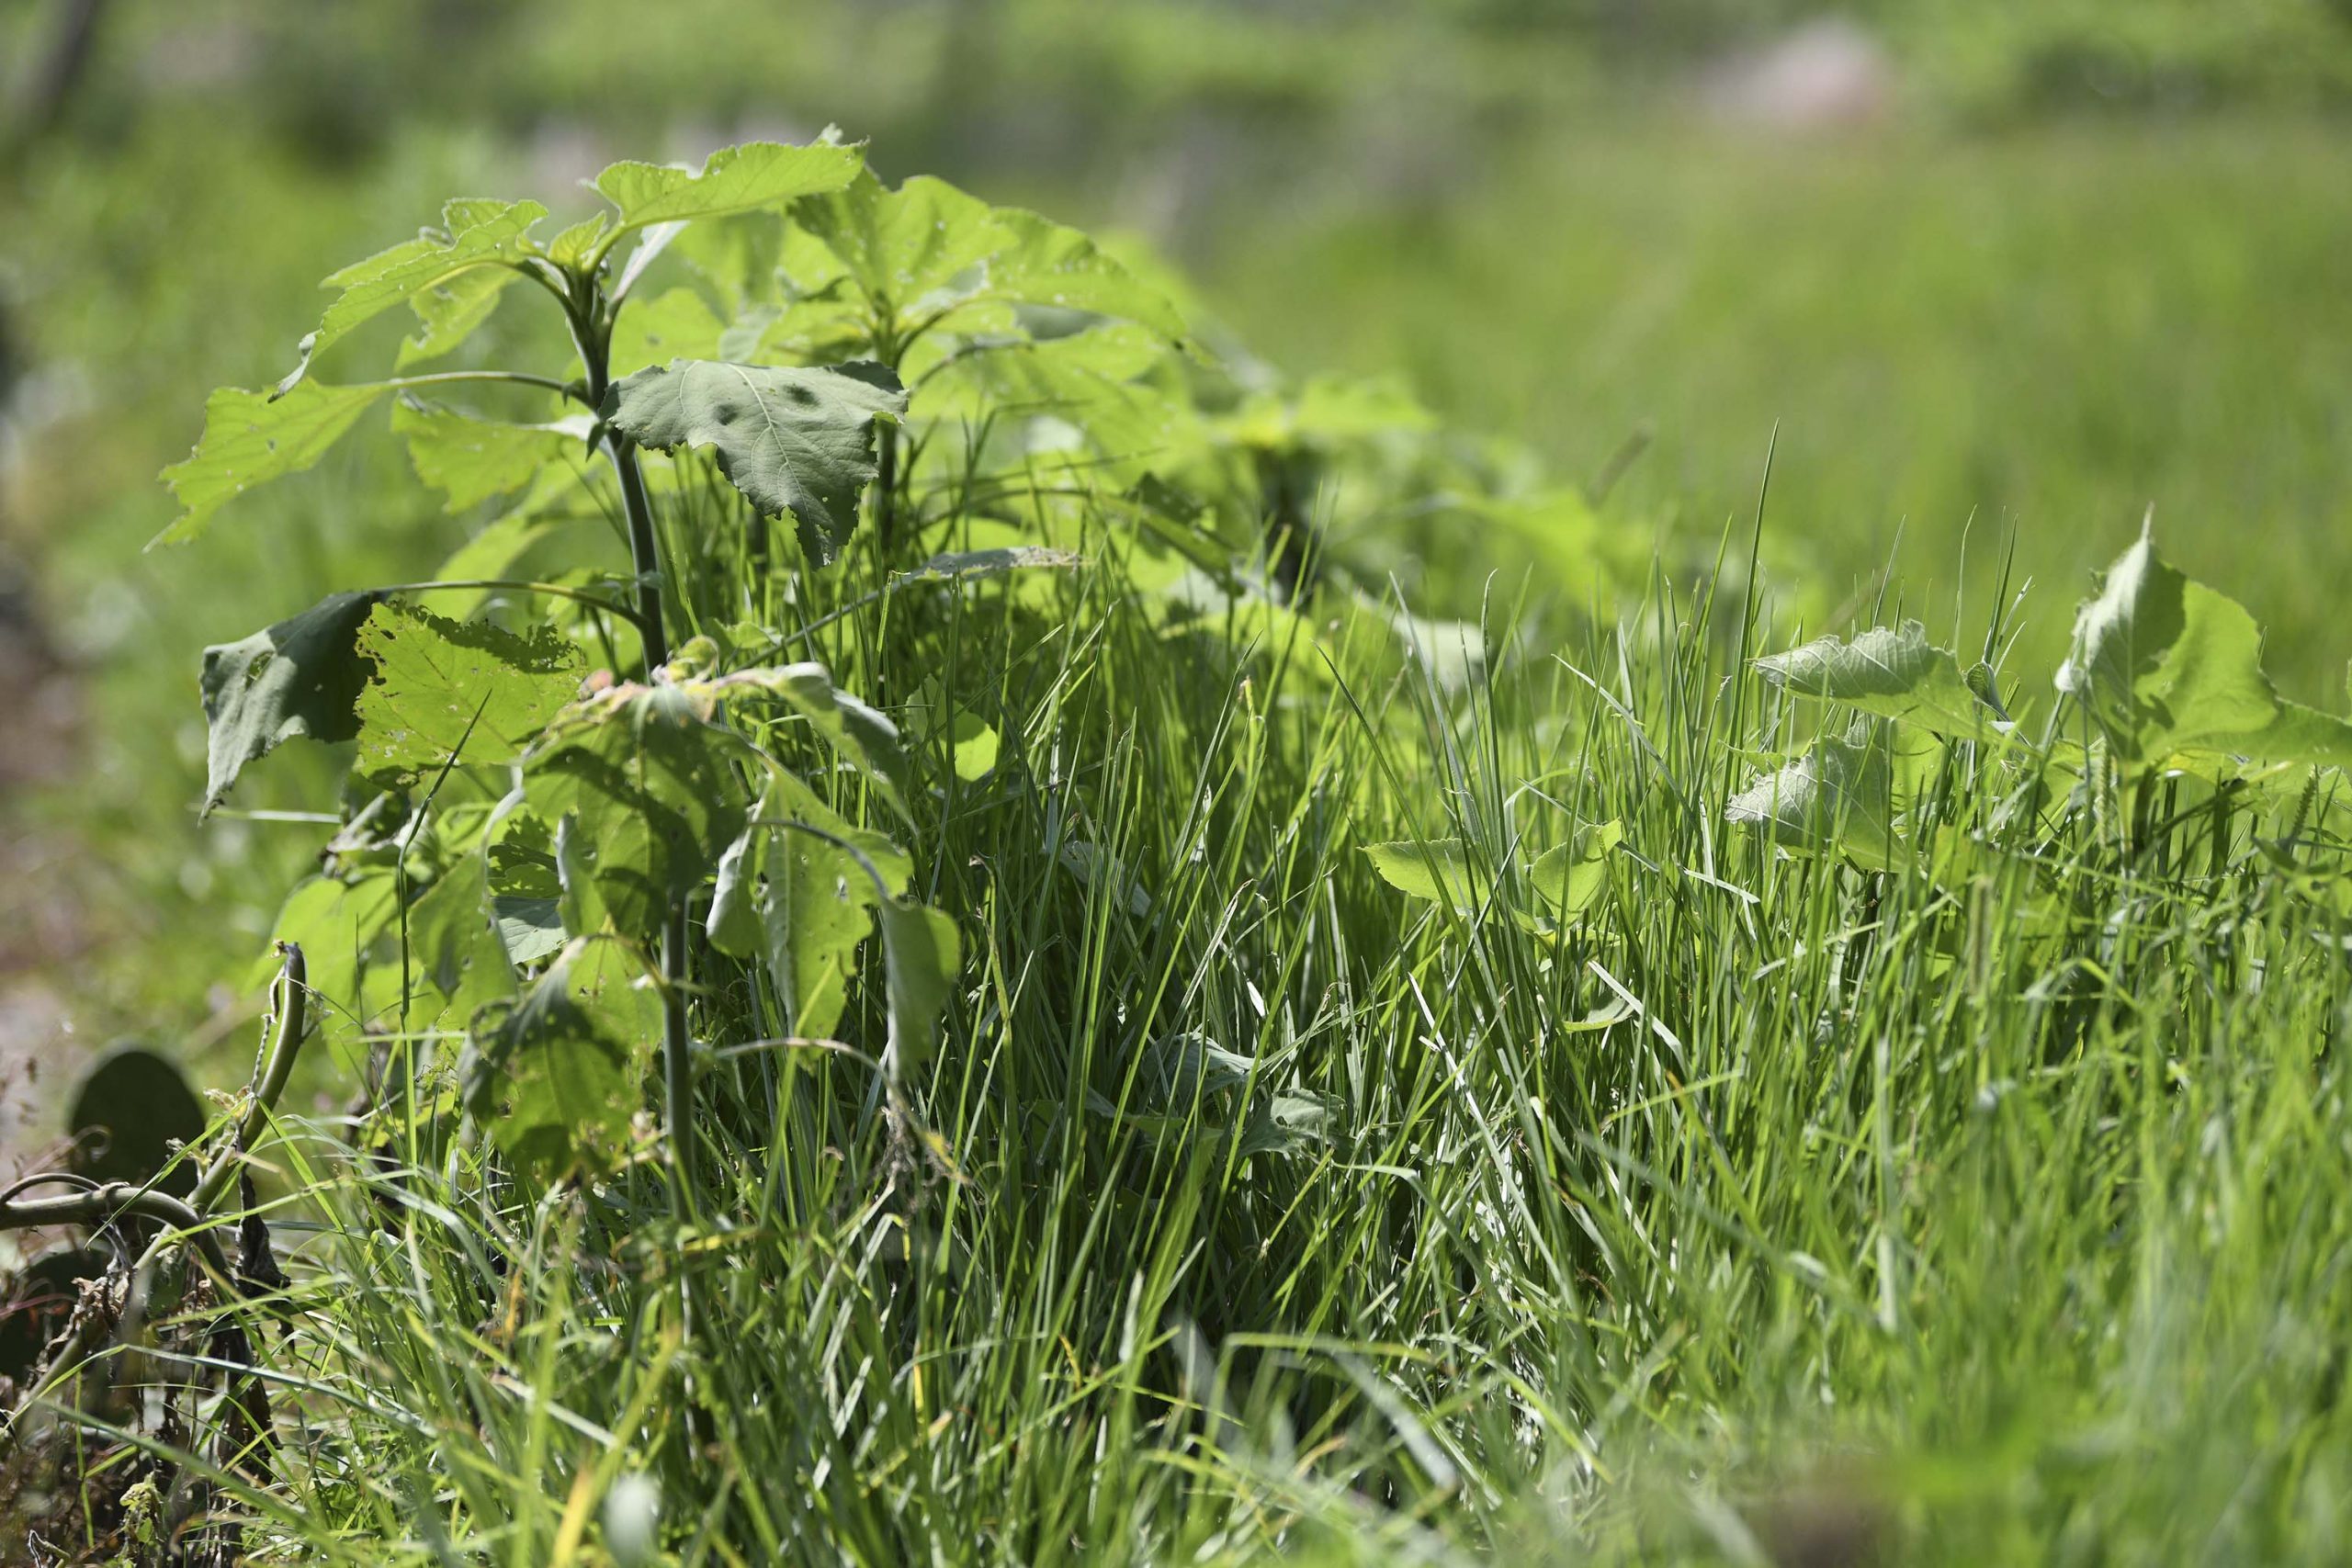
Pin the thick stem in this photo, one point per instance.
(591, 321)
(644, 550)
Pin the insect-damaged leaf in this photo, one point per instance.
(298, 677)
(793, 440)
(641, 787)
(557, 1076)
(251, 438)
(1848, 793)
(443, 688)
(733, 179)
(1894, 672)
(2166, 666)
(477, 234)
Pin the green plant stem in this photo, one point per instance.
(590, 317)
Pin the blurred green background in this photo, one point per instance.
(1987, 276)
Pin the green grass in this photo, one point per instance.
(1956, 339)
(1994, 1214)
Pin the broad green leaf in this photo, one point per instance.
(557, 1076)
(918, 243)
(471, 460)
(251, 438)
(475, 234)
(448, 311)
(733, 179)
(1080, 383)
(298, 677)
(438, 685)
(1571, 876)
(1045, 263)
(1847, 794)
(793, 440)
(346, 926)
(921, 952)
(642, 788)
(1437, 870)
(2166, 666)
(675, 324)
(801, 901)
(453, 933)
(928, 250)
(1892, 672)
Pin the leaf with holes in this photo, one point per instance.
(793, 440)
(440, 689)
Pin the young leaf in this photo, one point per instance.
(2166, 666)
(557, 1076)
(1437, 870)
(440, 684)
(478, 234)
(642, 789)
(300, 677)
(251, 438)
(1570, 877)
(793, 440)
(471, 460)
(1896, 673)
(733, 179)
(1847, 794)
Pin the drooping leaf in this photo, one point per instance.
(858, 735)
(793, 440)
(438, 685)
(733, 179)
(477, 234)
(300, 677)
(1847, 794)
(251, 438)
(1571, 876)
(471, 460)
(557, 1076)
(1892, 672)
(641, 788)
(2166, 666)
